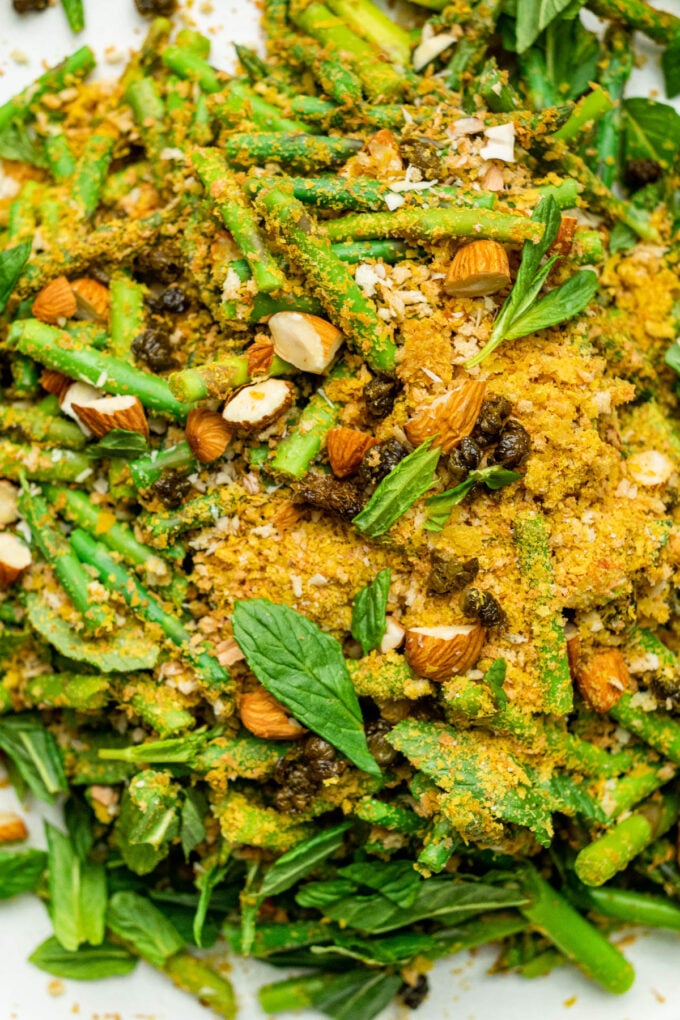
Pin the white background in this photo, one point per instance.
(461, 987)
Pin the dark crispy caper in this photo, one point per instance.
(379, 396)
(156, 8)
(376, 734)
(639, 172)
(317, 749)
(449, 574)
(296, 787)
(514, 445)
(153, 347)
(413, 996)
(172, 299)
(342, 498)
(464, 459)
(493, 414)
(481, 605)
(379, 461)
(26, 6)
(161, 263)
(424, 154)
(172, 488)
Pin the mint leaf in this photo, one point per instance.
(20, 871)
(440, 506)
(77, 893)
(119, 443)
(135, 920)
(192, 826)
(397, 880)
(672, 357)
(88, 963)
(399, 490)
(305, 669)
(622, 238)
(34, 757)
(301, 859)
(149, 820)
(358, 995)
(369, 612)
(19, 145)
(12, 262)
(535, 15)
(670, 64)
(206, 883)
(651, 131)
(558, 305)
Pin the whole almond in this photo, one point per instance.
(449, 418)
(602, 679)
(478, 268)
(207, 434)
(108, 413)
(92, 298)
(346, 448)
(55, 301)
(439, 653)
(266, 717)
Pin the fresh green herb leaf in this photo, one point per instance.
(19, 145)
(571, 57)
(670, 64)
(652, 131)
(390, 949)
(558, 305)
(305, 669)
(672, 357)
(20, 871)
(439, 507)
(192, 826)
(301, 859)
(34, 755)
(89, 963)
(250, 905)
(125, 651)
(369, 612)
(12, 262)
(622, 238)
(139, 924)
(397, 880)
(149, 820)
(119, 443)
(495, 678)
(399, 490)
(206, 883)
(443, 900)
(173, 750)
(320, 894)
(78, 818)
(358, 995)
(533, 16)
(77, 893)
(570, 796)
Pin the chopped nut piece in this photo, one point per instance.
(207, 434)
(12, 827)
(55, 383)
(92, 298)
(55, 301)
(448, 418)
(9, 496)
(478, 268)
(394, 635)
(306, 341)
(565, 236)
(602, 679)
(649, 468)
(260, 356)
(255, 406)
(107, 413)
(15, 557)
(266, 717)
(346, 447)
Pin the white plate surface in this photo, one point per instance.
(461, 988)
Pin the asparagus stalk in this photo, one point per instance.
(494, 88)
(389, 816)
(42, 427)
(330, 69)
(238, 217)
(116, 578)
(148, 110)
(615, 72)
(56, 349)
(628, 906)
(612, 852)
(60, 159)
(656, 729)
(75, 14)
(195, 976)
(300, 151)
(295, 453)
(127, 313)
(416, 224)
(42, 465)
(369, 22)
(78, 691)
(188, 63)
(90, 174)
(147, 469)
(645, 777)
(533, 550)
(661, 26)
(68, 72)
(56, 550)
(237, 102)
(306, 245)
(579, 941)
(217, 379)
(204, 511)
(327, 114)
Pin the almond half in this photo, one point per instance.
(12, 827)
(255, 406)
(449, 418)
(78, 393)
(260, 356)
(92, 299)
(602, 679)
(207, 434)
(55, 301)
(107, 413)
(478, 268)
(393, 637)
(55, 383)
(266, 717)
(15, 557)
(439, 653)
(346, 447)
(305, 341)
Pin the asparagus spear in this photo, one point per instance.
(90, 173)
(295, 453)
(299, 151)
(368, 21)
(628, 906)
(41, 426)
(68, 72)
(416, 224)
(60, 159)
(127, 312)
(237, 102)
(148, 110)
(147, 469)
(161, 528)
(661, 26)
(41, 465)
(656, 729)
(615, 72)
(187, 62)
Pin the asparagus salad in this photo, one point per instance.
(340, 549)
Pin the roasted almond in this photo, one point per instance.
(78, 393)
(287, 515)
(393, 637)
(55, 301)
(207, 434)
(493, 178)
(478, 268)
(108, 413)
(346, 448)
(92, 298)
(449, 418)
(562, 244)
(12, 827)
(266, 717)
(55, 383)
(306, 341)
(15, 557)
(650, 468)
(439, 653)
(255, 406)
(602, 679)
(9, 502)
(260, 357)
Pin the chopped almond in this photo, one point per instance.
(650, 468)
(493, 178)
(55, 383)
(78, 393)
(439, 653)
(207, 434)
(305, 341)
(9, 502)
(260, 356)
(55, 301)
(266, 717)
(257, 405)
(562, 244)
(15, 557)
(108, 413)
(449, 418)
(92, 298)
(12, 827)
(346, 448)
(478, 268)
(602, 679)
(393, 637)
